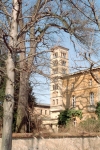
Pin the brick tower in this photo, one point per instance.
(59, 68)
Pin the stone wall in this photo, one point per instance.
(72, 143)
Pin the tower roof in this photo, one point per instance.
(56, 47)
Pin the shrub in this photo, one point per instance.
(66, 116)
(90, 125)
(98, 110)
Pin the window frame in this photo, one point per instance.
(55, 71)
(55, 55)
(41, 111)
(55, 63)
(91, 98)
(53, 102)
(55, 86)
(57, 101)
(63, 63)
(63, 55)
(73, 101)
(63, 71)
(45, 111)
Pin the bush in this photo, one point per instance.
(66, 116)
(91, 125)
(98, 110)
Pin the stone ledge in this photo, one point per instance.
(54, 135)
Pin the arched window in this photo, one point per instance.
(53, 102)
(55, 71)
(57, 101)
(91, 98)
(55, 63)
(63, 55)
(63, 63)
(63, 71)
(55, 87)
(73, 101)
(45, 112)
(55, 55)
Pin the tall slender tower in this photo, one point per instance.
(59, 68)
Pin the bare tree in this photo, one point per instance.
(90, 51)
(44, 21)
(28, 27)
(10, 69)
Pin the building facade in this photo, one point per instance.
(77, 90)
(42, 110)
(82, 92)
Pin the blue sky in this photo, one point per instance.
(42, 90)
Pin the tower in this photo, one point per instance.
(59, 68)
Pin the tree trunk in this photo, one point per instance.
(8, 106)
(26, 66)
(22, 103)
(9, 93)
(23, 90)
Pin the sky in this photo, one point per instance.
(42, 90)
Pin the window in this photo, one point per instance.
(55, 71)
(56, 101)
(55, 55)
(55, 87)
(91, 98)
(63, 55)
(63, 71)
(90, 82)
(55, 63)
(45, 112)
(41, 111)
(53, 102)
(73, 101)
(63, 63)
